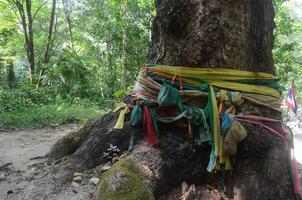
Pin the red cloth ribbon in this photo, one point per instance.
(148, 126)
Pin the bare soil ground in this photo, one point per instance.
(23, 166)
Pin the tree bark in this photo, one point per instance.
(229, 34)
(233, 34)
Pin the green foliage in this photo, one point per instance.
(83, 69)
(22, 98)
(93, 41)
(48, 115)
(287, 49)
(83, 72)
(69, 76)
(26, 107)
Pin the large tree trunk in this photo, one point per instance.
(229, 34)
(208, 33)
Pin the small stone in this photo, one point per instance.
(74, 187)
(184, 187)
(115, 159)
(2, 175)
(94, 180)
(10, 192)
(57, 162)
(77, 174)
(74, 184)
(105, 167)
(77, 179)
(123, 155)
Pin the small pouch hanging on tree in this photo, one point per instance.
(234, 135)
(169, 96)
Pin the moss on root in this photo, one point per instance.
(123, 181)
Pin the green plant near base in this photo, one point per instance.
(47, 115)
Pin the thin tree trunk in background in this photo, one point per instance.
(30, 46)
(54, 32)
(10, 75)
(109, 36)
(24, 27)
(124, 52)
(138, 64)
(26, 23)
(26, 20)
(67, 14)
(48, 49)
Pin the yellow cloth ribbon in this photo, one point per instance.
(216, 131)
(121, 118)
(219, 77)
(213, 73)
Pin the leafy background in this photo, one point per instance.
(97, 49)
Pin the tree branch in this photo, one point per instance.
(4, 3)
(11, 7)
(39, 9)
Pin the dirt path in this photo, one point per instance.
(23, 166)
(19, 147)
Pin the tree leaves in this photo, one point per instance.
(287, 51)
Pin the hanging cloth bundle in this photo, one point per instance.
(169, 96)
(154, 85)
(205, 79)
(236, 133)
